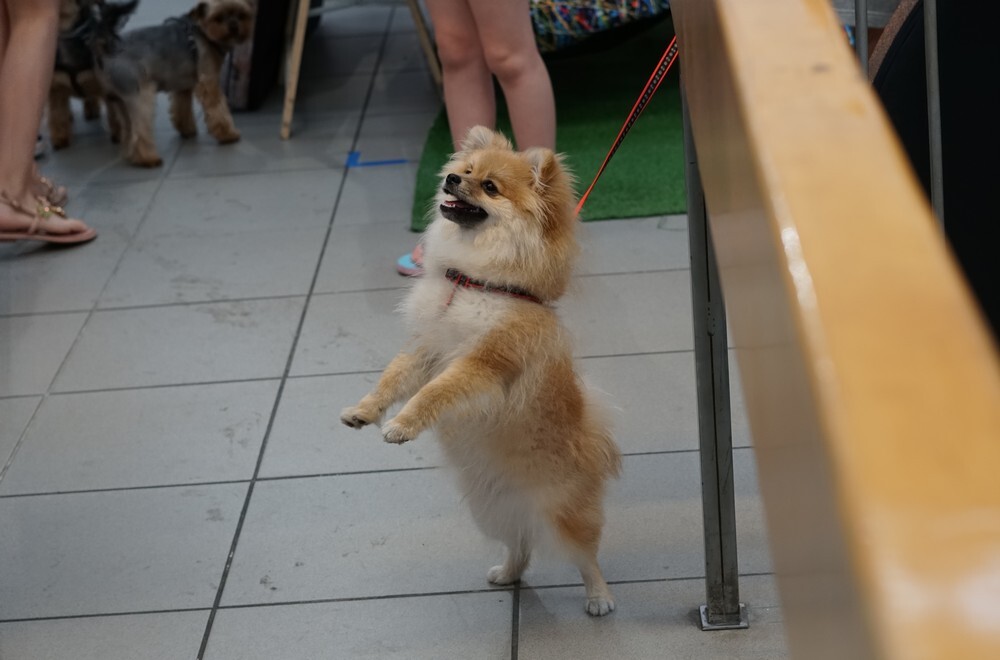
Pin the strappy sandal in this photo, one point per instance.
(55, 194)
(36, 230)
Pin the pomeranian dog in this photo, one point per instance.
(490, 368)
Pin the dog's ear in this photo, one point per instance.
(480, 137)
(127, 9)
(546, 165)
(199, 11)
(116, 14)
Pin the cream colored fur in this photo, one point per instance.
(493, 374)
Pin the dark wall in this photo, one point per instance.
(969, 53)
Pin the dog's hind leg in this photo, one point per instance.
(117, 119)
(60, 113)
(599, 598)
(92, 108)
(579, 531)
(141, 109)
(218, 120)
(91, 95)
(182, 114)
(509, 572)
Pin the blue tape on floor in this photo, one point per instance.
(354, 160)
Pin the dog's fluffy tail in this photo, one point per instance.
(597, 425)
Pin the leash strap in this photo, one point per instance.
(659, 73)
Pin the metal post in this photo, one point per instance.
(934, 107)
(723, 611)
(861, 33)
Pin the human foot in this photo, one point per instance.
(41, 221)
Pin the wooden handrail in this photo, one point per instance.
(872, 385)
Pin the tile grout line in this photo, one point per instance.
(20, 439)
(514, 590)
(286, 296)
(192, 303)
(161, 386)
(293, 477)
(76, 340)
(15, 397)
(650, 271)
(236, 174)
(328, 374)
(123, 489)
(291, 357)
(515, 621)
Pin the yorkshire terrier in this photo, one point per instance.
(183, 57)
(75, 75)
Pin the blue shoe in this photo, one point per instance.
(412, 264)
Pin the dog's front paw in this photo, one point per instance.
(397, 432)
(228, 136)
(600, 605)
(357, 417)
(149, 161)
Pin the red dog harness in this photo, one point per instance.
(462, 280)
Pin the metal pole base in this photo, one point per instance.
(743, 622)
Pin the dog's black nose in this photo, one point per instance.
(453, 180)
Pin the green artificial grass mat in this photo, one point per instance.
(596, 83)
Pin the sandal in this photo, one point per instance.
(55, 194)
(36, 230)
(412, 264)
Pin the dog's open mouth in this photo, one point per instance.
(461, 212)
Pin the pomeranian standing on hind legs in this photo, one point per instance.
(490, 367)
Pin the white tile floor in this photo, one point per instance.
(175, 483)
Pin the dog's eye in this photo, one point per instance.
(490, 187)
(468, 171)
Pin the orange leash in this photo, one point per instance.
(659, 73)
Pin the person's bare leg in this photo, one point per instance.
(4, 31)
(469, 96)
(468, 84)
(29, 29)
(25, 79)
(508, 42)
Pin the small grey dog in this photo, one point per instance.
(183, 56)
